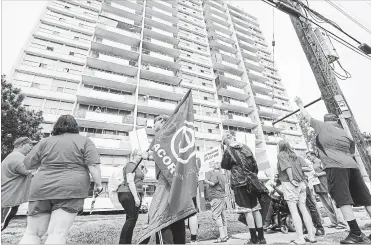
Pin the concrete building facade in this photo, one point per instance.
(116, 64)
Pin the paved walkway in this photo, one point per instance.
(279, 237)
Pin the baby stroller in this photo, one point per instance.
(281, 217)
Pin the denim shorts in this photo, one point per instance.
(75, 205)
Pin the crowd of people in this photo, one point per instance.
(53, 176)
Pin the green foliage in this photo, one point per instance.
(308, 133)
(16, 120)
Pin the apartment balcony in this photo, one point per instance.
(196, 84)
(272, 139)
(54, 55)
(159, 74)
(160, 59)
(238, 121)
(276, 85)
(267, 112)
(110, 144)
(119, 19)
(242, 24)
(161, 47)
(235, 12)
(155, 10)
(55, 38)
(200, 101)
(257, 76)
(223, 65)
(89, 96)
(207, 117)
(216, 26)
(235, 105)
(27, 90)
(75, 12)
(190, 5)
(197, 59)
(69, 25)
(113, 33)
(227, 78)
(212, 7)
(214, 34)
(112, 63)
(292, 132)
(105, 79)
(91, 119)
(161, 24)
(261, 87)
(219, 44)
(168, 8)
(268, 126)
(264, 99)
(282, 97)
(245, 31)
(253, 65)
(247, 54)
(208, 136)
(160, 34)
(244, 37)
(217, 19)
(126, 9)
(274, 76)
(232, 92)
(160, 90)
(284, 108)
(50, 73)
(93, 5)
(114, 47)
(155, 107)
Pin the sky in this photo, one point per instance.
(290, 59)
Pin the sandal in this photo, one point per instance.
(221, 240)
(308, 240)
(295, 242)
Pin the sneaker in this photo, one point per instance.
(320, 232)
(354, 239)
(251, 242)
(262, 241)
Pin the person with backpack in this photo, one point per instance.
(246, 186)
(130, 194)
(217, 200)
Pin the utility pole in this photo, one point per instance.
(330, 90)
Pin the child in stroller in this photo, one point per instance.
(278, 216)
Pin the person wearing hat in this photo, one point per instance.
(15, 180)
(345, 183)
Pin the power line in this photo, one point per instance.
(348, 15)
(289, 10)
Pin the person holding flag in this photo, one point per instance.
(174, 153)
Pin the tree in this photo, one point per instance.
(16, 120)
(308, 133)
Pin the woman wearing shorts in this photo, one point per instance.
(58, 190)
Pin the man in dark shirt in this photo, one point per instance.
(15, 180)
(345, 182)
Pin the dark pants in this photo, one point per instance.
(7, 214)
(172, 234)
(127, 201)
(311, 205)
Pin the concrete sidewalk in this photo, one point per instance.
(279, 237)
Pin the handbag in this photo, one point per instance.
(254, 185)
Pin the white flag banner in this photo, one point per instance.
(139, 139)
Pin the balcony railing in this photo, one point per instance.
(109, 58)
(113, 44)
(161, 43)
(231, 76)
(119, 6)
(103, 117)
(159, 70)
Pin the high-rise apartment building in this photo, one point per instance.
(116, 64)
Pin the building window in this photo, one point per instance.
(76, 38)
(56, 33)
(89, 2)
(66, 69)
(50, 48)
(62, 19)
(72, 53)
(66, 7)
(42, 65)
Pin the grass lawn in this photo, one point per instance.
(99, 229)
(94, 229)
